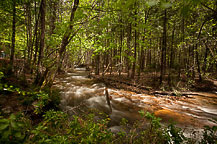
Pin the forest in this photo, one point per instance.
(108, 71)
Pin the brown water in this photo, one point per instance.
(192, 112)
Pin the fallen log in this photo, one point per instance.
(167, 93)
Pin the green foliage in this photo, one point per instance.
(42, 100)
(57, 128)
(209, 135)
(152, 2)
(1, 76)
(11, 130)
(177, 93)
(176, 134)
(52, 128)
(155, 121)
(45, 99)
(155, 133)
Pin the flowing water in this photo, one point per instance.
(192, 112)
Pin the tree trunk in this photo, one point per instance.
(135, 50)
(42, 42)
(205, 59)
(13, 37)
(171, 64)
(29, 32)
(97, 64)
(53, 15)
(121, 42)
(128, 49)
(142, 52)
(135, 46)
(67, 36)
(36, 36)
(164, 45)
(198, 64)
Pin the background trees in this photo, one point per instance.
(170, 38)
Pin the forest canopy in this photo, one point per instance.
(172, 37)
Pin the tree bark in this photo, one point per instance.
(164, 45)
(35, 39)
(42, 43)
(29, 32)
(13, 37)
(67, 36)
(129, 49)
(135, 47)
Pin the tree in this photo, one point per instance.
(13, 36)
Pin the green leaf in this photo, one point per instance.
(166, 5)
(152, 3)
(20, 124)
(14, 125)
(185, 10)
(6, 41)
(196, 1)
(6, 134)
(142, 113)
(12, 117)
(3, 126)
(4, 121)
(18, 134)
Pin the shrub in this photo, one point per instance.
(12, 129)
(57, 128)
(209, 135)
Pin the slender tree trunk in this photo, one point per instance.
(121, 42)
(111, 61)
(135, 53)
(36, 35)
(53, 5)
(42, 37)
(142, 56)
(171, 64)
(39, 76)
(193, 62)
(97, 64)
(29, 31)
(205, 59)
(164, 45)
(198, 63)
(135, 46)
(67, 36)
(13, 37)
(128, 49)
(171, 60)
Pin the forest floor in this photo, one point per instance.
(10, 101)
(15, 100)
(149, 83)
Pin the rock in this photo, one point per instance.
(117, 129)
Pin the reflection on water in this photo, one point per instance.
(198, 110)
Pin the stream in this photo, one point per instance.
(192, 112)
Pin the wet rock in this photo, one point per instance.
(117, 129)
